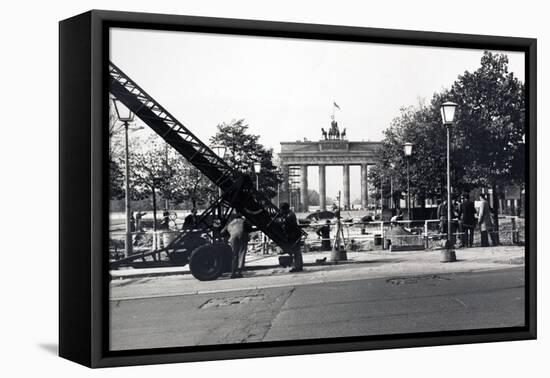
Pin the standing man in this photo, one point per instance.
(467, 218)
(165, 222)
(238, 230)
(190, 220)
(484, 219)
(442, 216)
(290, 224)
(139, 215)
(324, 233)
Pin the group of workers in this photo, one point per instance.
(237, 231)
(468, 219)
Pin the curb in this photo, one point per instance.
(187, 272)
(249, 268)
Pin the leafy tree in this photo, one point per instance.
(490, 125)
(116, 150)
(150, 174)
(313, 197)
(487, 148)
(244, 149)
(187, 183)
(427, 165)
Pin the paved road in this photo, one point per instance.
(330, 309)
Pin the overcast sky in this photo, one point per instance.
(285, 88)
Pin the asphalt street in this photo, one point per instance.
(399, 304)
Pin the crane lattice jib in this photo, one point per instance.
(236, 187)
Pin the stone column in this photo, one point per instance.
(322, 188)
(346, 201)
(303, 189)
(284, 193)
(364, 186)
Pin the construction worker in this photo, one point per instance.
(190, 220)
(238, 230)
(290, 224)
(324, 233)
(165, 222)
(137, 220)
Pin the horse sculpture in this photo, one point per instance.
(334, 132)
(324, 133)
(343, 134)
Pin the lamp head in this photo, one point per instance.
(219, 150)
(257, 167)
(407, 148)
(123, 113)
(448, 111)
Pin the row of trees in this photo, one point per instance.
(487, 139)
(158, 171)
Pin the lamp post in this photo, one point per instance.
(126, 116)
(257, 170)
(381, 197)
(448, 110)
(220, 151)
(407, 149)
(392, 166)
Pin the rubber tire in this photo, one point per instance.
(208, 262)
(182, 251)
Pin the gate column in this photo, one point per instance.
(303, 189)
(364, 186)
(322, 188)
(346, 201)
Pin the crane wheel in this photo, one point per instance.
(208, 261)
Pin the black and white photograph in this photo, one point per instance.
(312, 188)
(265, 189)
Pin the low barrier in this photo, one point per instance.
(415, 232)
(358, 236)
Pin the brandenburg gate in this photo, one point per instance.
(329, 151)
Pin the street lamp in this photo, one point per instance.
(126, 116)
(448, 110)
(220, 150)
(392, 166)
(521, 200)
(408, 149)
(257, 169)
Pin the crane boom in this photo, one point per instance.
(236, 187)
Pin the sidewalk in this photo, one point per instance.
(479, 257)
(264, 271)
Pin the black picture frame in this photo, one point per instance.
(83, 209)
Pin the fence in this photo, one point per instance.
(145, 241)
(358, 236)
(425, 233)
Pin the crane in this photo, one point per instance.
(206, 253)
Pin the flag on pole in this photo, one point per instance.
(336, 105)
